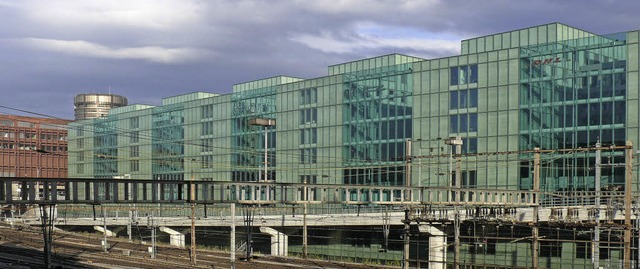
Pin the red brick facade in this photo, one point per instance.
(33, 147)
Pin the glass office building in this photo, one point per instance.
(550, 86)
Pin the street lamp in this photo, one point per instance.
(265, 123)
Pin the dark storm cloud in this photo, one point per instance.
(148, 50)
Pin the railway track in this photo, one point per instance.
(21, 247)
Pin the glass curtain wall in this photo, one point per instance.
(573, 95)
(168, 143)
(247, 143)
(106, 148)
(377, 122)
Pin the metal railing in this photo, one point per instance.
(132, 191)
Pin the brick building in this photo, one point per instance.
(33, 147)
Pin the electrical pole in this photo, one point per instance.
(407, 195)
(153, 237)
(457, 142)
(266, 177)
(627, 204)
(193, 219)
(104, 220)
(232, 244)
(405, 238)
(536, 208)
(129, 230)
(457, 203)
(595, 257)
(305, 246)
(47, 232)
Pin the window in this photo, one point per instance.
(206, 161)
(80, 143)
(473, 73)
(7, 146)
(309, 155)
(207, 128)
(463, 123)
(80, 156)
(473, 97)
(453, 124)
(619, 112)
(469, 145)
(309, 179)
(454, 75)
(135, 165)
(134, 137)
(473, 122)
(26, 124)
(207, 111)
(453, 100)
(80, 169)
(469, 179)
(134, 151)
(134, 122)
(308, 136)
(308, 116)
(26, 135)
(464, 74)
(308, 96)
(207, 145)
(463, 99)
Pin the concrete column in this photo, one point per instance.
(102, 230)
(279, 241)
(175, 238)
(437, 246)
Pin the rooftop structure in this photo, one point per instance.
(94, 105)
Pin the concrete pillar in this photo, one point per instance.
(101, 229)
(279, 241)
(175, 238)
(437, 246)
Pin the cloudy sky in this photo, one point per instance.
(51, 50)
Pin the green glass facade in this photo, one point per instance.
(550, 86)
(573, 94)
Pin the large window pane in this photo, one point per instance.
(454, 75)
(568, 116)
(453, 100)
(607, 113)
(462, 75)
(463, 123)
(473, 145)
(620, 112)
(583, 115)
(453, 124)
(473, 97)
(594, 114)
(620, 83)
(473, 73)
(473, 122)
(464, 99)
